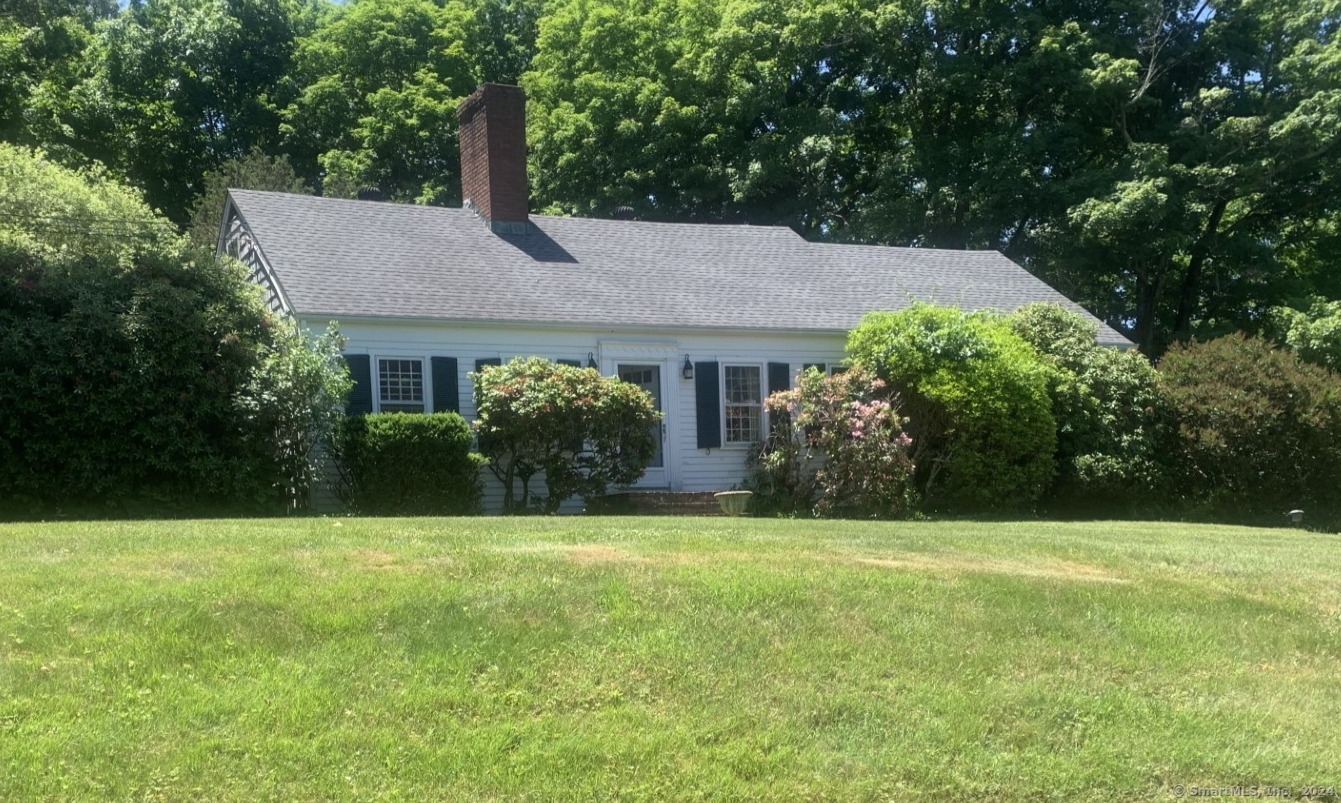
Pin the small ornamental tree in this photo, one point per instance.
(837, 447)
(976, 397)
(294, 401)
(583, 432)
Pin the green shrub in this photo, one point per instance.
(836, 448)
(124, 357)
(1109, 412)
(1259, 431)
(976, 397)
(408, 464)
(582, 431)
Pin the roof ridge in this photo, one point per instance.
(613, 221)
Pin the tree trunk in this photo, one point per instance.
(1147, 310)
(1201, 250)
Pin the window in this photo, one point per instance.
(744, 403)
(400, 386)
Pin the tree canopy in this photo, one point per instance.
(1171, 164)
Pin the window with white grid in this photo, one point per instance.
(744, 406)
(400, 385)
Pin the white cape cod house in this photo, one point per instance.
(707, 318)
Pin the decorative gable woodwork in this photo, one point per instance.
(239, 243)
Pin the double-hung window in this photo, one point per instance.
(400, 385)
(744, 407)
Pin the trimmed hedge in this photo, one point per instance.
(408, 464)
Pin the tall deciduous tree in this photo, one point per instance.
(193, 84)
(380, 85)
(47, 50)
(1228, 117)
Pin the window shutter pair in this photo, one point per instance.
(708, 398)
(446, 390)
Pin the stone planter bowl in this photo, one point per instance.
(734, 502)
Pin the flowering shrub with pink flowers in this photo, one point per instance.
(837, 448)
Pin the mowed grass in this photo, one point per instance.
(663, 659)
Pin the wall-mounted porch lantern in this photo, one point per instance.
(688, 370)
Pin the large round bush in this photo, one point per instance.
(1259, 431)
(133, 370)
(1109, 414)
(976, 398)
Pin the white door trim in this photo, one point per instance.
(667, 355)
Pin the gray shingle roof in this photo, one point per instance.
(359, 258)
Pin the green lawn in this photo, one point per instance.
(663, 659)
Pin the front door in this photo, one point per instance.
(648, 377)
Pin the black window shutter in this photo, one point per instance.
(446, 388)
(574, 363)
(480, 363)
(361, 395)
(779, 377)
(708, 402)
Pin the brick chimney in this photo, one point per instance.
(493, 156)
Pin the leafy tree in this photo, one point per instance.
(294, 401)
(1110, 416)
(1203, 201)
(380, 83)
(836, 448)
(47, 55)
(123, 355)
(696, 110)
(1314, 334)
(505, 34)
(1259, 431)
(976, 397)
(1171, 164)
(254, 171)
(582, 431)
(193, 84)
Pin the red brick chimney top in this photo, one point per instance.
(493, 155)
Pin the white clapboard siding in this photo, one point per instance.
(688, 467)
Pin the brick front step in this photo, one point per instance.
(659, 503)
